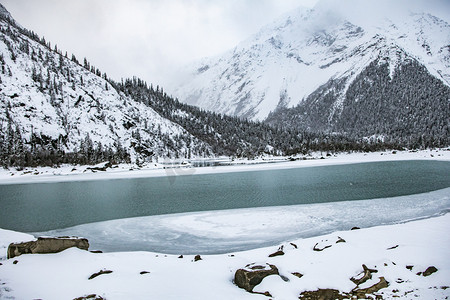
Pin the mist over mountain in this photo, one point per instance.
(56, 108)
(307, 70)
(320, 83)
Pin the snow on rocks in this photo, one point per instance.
(47, 245)
(302, 272)
(252, 275)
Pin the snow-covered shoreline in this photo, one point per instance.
(399, 253)
(86, 173)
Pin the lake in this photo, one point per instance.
(47, 206)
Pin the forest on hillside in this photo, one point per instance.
(209, 134)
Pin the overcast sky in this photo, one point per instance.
(146, 38)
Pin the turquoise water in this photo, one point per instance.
(47, 206)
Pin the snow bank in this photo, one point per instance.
(398, 253)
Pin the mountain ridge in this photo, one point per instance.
(287, 61)
(57, 110)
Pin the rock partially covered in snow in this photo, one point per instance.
(252, 275)
(47, 245)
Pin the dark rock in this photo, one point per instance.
(95, 169)
(293, 245)
(396, 246)
(278, 253)
(355, 228)
(366, 275)
(284, 278)
(181, 256)
(297, 274)
(315, 248)
(47, 245)
(144, 272)
(340, 240)
(15, 262)
(324, 294)
(410, 267)
(267, 294)
(429, 271)
(96, 251)
(361, 293)
(251, 276)
(197, 257)
(99, 273)
(90, 297)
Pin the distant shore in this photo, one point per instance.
(182, 167)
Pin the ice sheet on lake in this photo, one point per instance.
(227, 231)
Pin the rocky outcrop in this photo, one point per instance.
(252, 275)
(47, 245)
(323, 294)
(362, 293)
(365, 275)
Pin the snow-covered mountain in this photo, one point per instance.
(55, 109)
(51, 103)
(289, 60)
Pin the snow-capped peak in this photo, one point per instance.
(289, 59)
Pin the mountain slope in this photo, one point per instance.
(50, 103)
(289, 60)
(55, 110)
(411, 108)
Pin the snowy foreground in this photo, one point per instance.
(397, 252)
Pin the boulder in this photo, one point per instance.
(197, 257)
(252, 275)
(47, 245)
(429, 271)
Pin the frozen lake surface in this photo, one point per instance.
(215, 213)
(226, 231)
